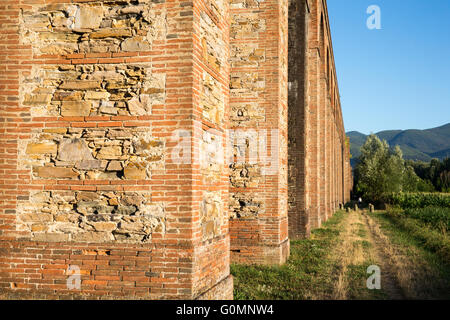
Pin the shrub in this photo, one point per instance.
(419, 200)
(426, 225)
(436, 217)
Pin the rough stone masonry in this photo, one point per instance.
(145, 144)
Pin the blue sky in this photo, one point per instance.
(397, 77)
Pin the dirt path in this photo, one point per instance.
(333, 264)
(409, 272)
(361, 244)
(347, 254)
(381, 250)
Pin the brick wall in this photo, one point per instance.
(94, 93)
(319, 169)
(258, 99)
(145, 144)
(299, 224)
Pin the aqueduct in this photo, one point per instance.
(114, 119)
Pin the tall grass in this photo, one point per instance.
(436, 217)
(428, 225)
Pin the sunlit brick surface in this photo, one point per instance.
(95, 97)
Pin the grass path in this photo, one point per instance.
(349, 253)
(333, 264)
(381, 251)
(419, 272)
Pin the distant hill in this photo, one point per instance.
(421, 145)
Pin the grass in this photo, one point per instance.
(426, 271)
(435, 217)
(421, 233)
(332, 264)
(313, 271)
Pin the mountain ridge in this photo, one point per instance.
(422, 145)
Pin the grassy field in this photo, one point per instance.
(420, 253)
(315, 269)
(333, 263)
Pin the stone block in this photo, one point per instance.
(89, 165)
(75, 108)
(104, 226)
(39, 227)
(88, 17)
(51, 237)
(126, 210)
(42, 148)
(140, 105)
(110, 153)
(114, 166)
(97, 95)
(36, 217)
(80, 85)
(106, 109)
(93, 237)
(134, 172)
(138, 43)
(111, 33)
(74, 150)
(67, 96)
(132, 200)
(37, 99)
(55, 172)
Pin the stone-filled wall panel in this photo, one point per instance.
(246, 25)
(213, 214)
(84, 90)
(100, 88)
(212, 99)
(246, 205)
(104, 26)
(93, 154)
(211, 157)
(210, 195)
(258, 119)
(246, 114)
(86, 216)
(92, 92)
(249, 55)
(213, 45)
(247, 84)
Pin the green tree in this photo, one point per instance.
(372, 179)
(410, 180)
(435, 175)
(395, 171)
(382, 171)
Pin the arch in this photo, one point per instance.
(329, 71)
(322, 36)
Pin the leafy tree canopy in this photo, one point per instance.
(382, 171)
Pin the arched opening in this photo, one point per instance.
(297, 101)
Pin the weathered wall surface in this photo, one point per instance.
(258, 118)
(319, 171)
(115, 116)
(211, 74)
(92, 93)
(299, 219)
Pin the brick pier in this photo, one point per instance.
(145, 145)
